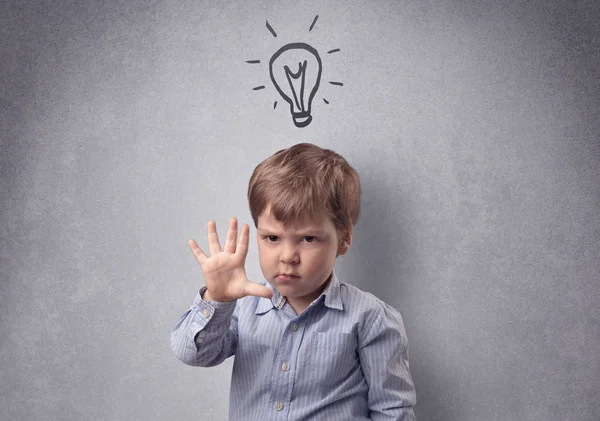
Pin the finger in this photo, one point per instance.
(257, 290)
(232, 233)
(197, 251)
(242, 247)
(213, 238)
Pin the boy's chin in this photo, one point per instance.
(291, 289)
(286, 288)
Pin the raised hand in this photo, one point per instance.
(224, 271)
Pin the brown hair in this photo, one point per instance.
(305, 181)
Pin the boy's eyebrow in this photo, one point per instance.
(300, 233)
(311, 232)
(266, 229)
(263, 227)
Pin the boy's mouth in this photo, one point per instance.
(286, 277)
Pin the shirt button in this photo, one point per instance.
(285, 367)
(294, 327)
(205, 312)
(279, 406)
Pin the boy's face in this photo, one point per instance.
(298, 259)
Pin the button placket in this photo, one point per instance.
(281, 395)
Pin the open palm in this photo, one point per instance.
(224, 271)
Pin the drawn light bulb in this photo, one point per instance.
(295, 71)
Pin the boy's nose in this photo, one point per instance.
(289, 254)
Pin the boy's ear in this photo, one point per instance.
(345, 242)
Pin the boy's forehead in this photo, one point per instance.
(267, 220)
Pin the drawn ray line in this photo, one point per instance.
(336, 83)
(258, 88)
(335, 50)
(275, 105)
(253, 61)
(313, 23)
(270, 28)
(326, 102)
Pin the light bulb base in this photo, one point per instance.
(302, 120)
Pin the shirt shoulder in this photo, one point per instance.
(356, 298)
(372, 316)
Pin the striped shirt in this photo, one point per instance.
(344, 358)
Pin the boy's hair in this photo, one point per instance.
(306, 181)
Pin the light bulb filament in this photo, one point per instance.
(290, 75)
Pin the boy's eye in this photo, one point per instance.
(272, 238)
(309, 239)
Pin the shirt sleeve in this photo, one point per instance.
(383, 353)
(206, 334)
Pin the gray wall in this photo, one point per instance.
(475, 126)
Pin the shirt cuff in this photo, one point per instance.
(212, 310)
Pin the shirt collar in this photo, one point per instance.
(331, 296)
(332, 293)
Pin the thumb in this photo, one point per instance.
(257, 290)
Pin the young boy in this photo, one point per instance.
(307, 346)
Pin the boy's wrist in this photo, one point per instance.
(206, 296)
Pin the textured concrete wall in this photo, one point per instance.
(475, 125)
